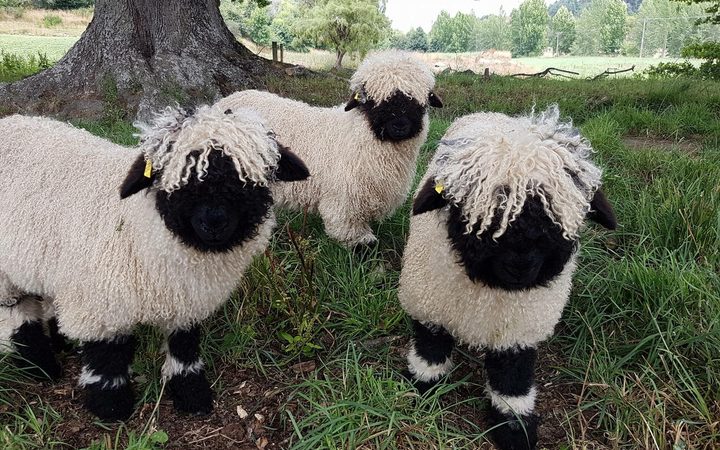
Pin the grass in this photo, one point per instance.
(54, 47)
(314, 340)
(593, 65)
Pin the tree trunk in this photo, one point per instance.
(137, 56)
(338, 59)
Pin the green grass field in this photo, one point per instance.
(53, 47)
(592, 65)
(312, 344)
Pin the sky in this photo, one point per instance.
(407, 14)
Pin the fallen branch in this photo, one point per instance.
(611, 72)
(548, 71)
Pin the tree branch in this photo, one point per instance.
(548, 71)
(611, 72)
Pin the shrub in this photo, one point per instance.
(672, 70)
(62, 4)
(14, 67)
(51, 20)
(710, 52)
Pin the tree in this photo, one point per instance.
(712, 10)
(528, 26)
(284, 26)
(601, 28)
(633, 5)
(562, 34)
(574, 6)
(141, 54)
(346, 26)
(454, 34)
(416, 40)
(667, 26)
(494, 33)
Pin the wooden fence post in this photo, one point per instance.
(281, 52)
(274, 51)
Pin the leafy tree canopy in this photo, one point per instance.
(345, 26)
(528, 26)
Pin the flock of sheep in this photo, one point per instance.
(96, 238)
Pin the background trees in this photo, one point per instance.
(562, 30)
(528, 26)
(601, 28)
(345, 26)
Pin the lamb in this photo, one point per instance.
(491, 253)
(362, 156)
(167, 249)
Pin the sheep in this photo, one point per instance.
(362, 156)
(491, 252)
(112, 237)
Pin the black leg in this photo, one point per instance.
(35, 350)
(511, 389)
(106, 377)
(59, 342)
(185, 373)
(429, 355)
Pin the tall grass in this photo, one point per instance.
(14, 67)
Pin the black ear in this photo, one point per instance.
(290, 166)
(434, 100)
(601, 211)
(136, 181)
(428, 199)
(353, 103)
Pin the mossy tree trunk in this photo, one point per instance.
(138, 55)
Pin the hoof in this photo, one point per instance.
(513, 433)
(191, 394)
(110, 405)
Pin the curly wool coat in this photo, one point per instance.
(356, 178)
(486, 161)
(106, 264)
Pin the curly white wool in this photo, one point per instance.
(384, 72)
(171, 137)
(355, 177)
(106, 264)
(489, 162)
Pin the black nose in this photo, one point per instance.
(216, 219)
(400, 126)
(519, 271)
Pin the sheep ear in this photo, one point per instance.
(428, 198)
(434, 100)
(290, 166)
(354, 102)
(601, 211)
(136, 179)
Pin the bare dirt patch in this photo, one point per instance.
(690, 145)
(261, 401)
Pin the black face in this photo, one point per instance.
(531, 252)
(217, 213)
(395, 119)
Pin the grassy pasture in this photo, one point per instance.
(312, 344)
(54, 47)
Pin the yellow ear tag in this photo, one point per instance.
(439, 188)
(357, 96)
(148, 169)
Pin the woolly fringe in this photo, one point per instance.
(538, 156)
(241, 135)
(383, 73)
